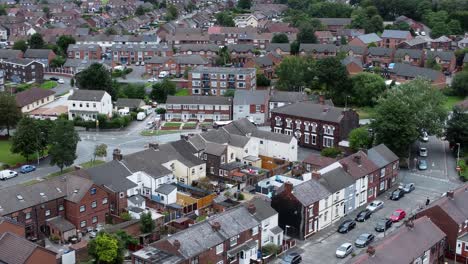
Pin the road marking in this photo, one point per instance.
(429, 177)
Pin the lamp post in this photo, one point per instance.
(286, 230)
(458, 152)
(346, 102)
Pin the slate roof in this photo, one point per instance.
(290, 97)
(358, 165)
(355, 49)
(335, 21)
(32, 95)
(406, 70)
(16, 250)
(369, 38)
(263, 61)
(318, 48)
(412, 53)
(380, 51)
(241, 48)
(130, 103)
(201, 236)
(285, 47)
(351, 59)
(87, 95)
(204, 69)
(455, 208)
(398, 34)
(318, 160)
(310, 192)
(198, 47)
(381, 155)
(263, 209)
(443, 55)
(404, 245)
(77, 188)
(240, 127)
(9, 54)
(197, 100)
(194, 59)
(112, 175)
(215, 148)
(261, 134)
(37, 53)
(220, 136)
(335, 179)
(23, 62)
(61, 223)
(86, 47)
(166, 189)
(311, 110)
(250, 97)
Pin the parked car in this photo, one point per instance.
(375, 205)
(53, 78)
(27, 168)
(423, 152)
(364, 240)
(142, 63)
(407, 188)
(61, 81)
(163, 74)
(152, 79)
(383, 224)
(346, 226)
(424, 136)
(398, 215)
(137, 63)
(397, 195)
(422, 164)
(344, 250)
(92, 234)
(363, 215)
(7, 174)
(292, 258)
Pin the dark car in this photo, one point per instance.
(346, 226)
(364, 240)
(53, 78)
(397, 194)
(383, 224)
(363, 215)
(292, 258)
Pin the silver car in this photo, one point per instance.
(407, 188)
(344, 250)
(375, 205)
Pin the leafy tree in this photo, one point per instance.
(280, 38)
(456, 130)
(140, 11)
(186, 72)
(126, 239)
(46, 11)
(366, 88)
(106, 248)
(244, 4)
(57, 62)
(3, 11)
(432, 63)
(96, 77)
(330, 9)
(26, 140)
(294, 73)
(64, 140)
(147, 224)
(405, 111)
(100, 151)
(72, 82)
(162, 89)
(330, 152)
(367, 19)
(359, 138)
(172, 13)
(262, 80)
(224, 57)
(460, 83)
(134, 91)
(454, 27)
(10, 113)
(224, 19)
(295, 47)
(110, 31)
(306, 34)
(229, 93)
(20, 45)
(36, 41)
(63, 42)
(333, 77)
(45, 127)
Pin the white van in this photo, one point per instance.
(141, 116)
(7, 174)
(163, 74)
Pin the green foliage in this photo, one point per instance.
(126, 239)
(432, 63)
(125, 216)
(26, 140)
(72, 82)
(262, 80)
(229, 93)
(106, 248)
(3, 11)
(63, 141)
(333, 77)
(10, 113)
(58, 62)
(160, 111)
(131, 90)
(224, 57)
(270, 249)
(456, 130)
(330, 152)
(460, 83)
(36, 41)
(367, 19)
(110, 31)
(147, 224)
(240, 197)
(366, 88)
(244, 4)
(186, 72)
(359, 138)
(100, 151)
(96, 77)
(405, 111)
(20, 45)
(280, 38)
(224, 19)
(63, 42)
(171, 13)
(294, 73)
(162, 89)
(140, 11)
(306, 34)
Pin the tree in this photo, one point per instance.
(172, 13)
(26, 139)
(110, 31)
(140, 11)
(106, 248)
(63, 141)
(10, 113)
(405, 111)
(20, 45)
(100, 151)
(456, 130)
(63, 42)
(45, 127)
(366, 88)
(224, 19)
(455, 27)
(359, 138)
(36, 41)
(96, 77)
(306, 34)
(280, 38)
(330, 152)
(333, 77)
(244, 4)
(162, 89)
(229, 93)
(126, 239)
(224, 57)
(147, 224)
(46, 11)
(460, 83)
(72, 82)
(432, 63)
(262, 80)
(3, 11)
(295, 47)
(294, 73)
(57, 62)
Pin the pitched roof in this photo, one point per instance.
(204, 100)
(249, 97)
(399, 34)
(311, 110)
(369, 38)
(380, 51)
(10, 54)
(443, 55)
(358, 165)
(263, 209)
(263, 61)
(404, 245)
(335, 178)
(240, 127)
(351, 59)
(456, 207)
(268, 135)
(32, 95)
(112, 175)
(87, 95)
(194, 59)
(412, 53)
(37, 53)
(406, 70)
(130, 103)
(381, 155)
(310, 192)
(335, 21)
(16, 250)
(318, 48)
(285, 47)
(198, 47)
(20, 61)
(318, 160)
(215, 148)
(61, 223)
(166, 188)
(355, 49)
(241, 48)
(290, 97)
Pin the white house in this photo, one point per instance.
(246, 20)
(137, 205)
(88, 104)
(275, 145)
(268, 218)
(3, 34)
(166, 194)
(252, 105)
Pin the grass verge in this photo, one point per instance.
(149, 133)
(182, 92)
(85, 165)
(452, 101)
(47, 85)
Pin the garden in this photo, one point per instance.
(171, 125)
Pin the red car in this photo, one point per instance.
(398, 215)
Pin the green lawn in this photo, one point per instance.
(9, 158)
(182, 92)
(365, 112)
(172, 124)
(149, 133)
(85, 165)
(452, 101)
(47, 85)
(190, 125)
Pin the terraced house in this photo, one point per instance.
(198, 108)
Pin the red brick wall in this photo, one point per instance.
(17, 229)
(41, 256)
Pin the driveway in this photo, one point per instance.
(134, 76)
(60, 88)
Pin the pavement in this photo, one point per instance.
(134, 76)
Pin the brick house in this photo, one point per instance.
(205, 50)
(355, 51)
(84, 52)
(303, 200)
(16, 249)
(392, 38)
(233, 236)
(279, 48)
(33, 98)
(366, 40)
(441, 43)
(131, 53)
(411, 56)
(379, 56)
(318, 51)
(353, 65)
(7, 54)
(418, 241)
(264, 63)
(335, 24)
(23, 70)
(402, 72)
(175, 65)
(324, 36)
(315, 126)
(198, 108)
(241, 52)
(446, 59)
(388, 168)
(12, 226)
(44, 56)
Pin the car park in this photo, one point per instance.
(398, 215)
(363, 215)
(407, 188)
(375, 205)
(422, 164)
(344, 250)
(383, 224)
(364, 240)
(423, 152)
(7, 174)
(346, 226)
(27, 168)
(397, 195)
(292, 258)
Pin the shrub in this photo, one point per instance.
(160, 111)
(127, 70)
(330, 152)
(126, 216)
(240, 197)
(270, 249)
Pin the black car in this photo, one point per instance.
(346, 226)
(383, 224)
(53, 78)
(397, 194)
(364, 240)
(363, 215)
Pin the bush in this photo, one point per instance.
(330, 152)
(240, 197)
(127, 70)
(160, 111)
(126, 216)
(270, 249)
(117, 73)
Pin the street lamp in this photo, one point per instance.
(346, 102)
(286, 230)
(458, 152)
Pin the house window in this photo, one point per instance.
(219, 249)
(371, 178)
(327, 142)
(233, 241)
(311, 226)
(311, 211)
(94, 219)
(194, 260)
(254, 231)
(288, 122)
(325, 216)
(47, 212)
(211, 170)
(93, 204)
(222, 159)
(205, 157)
(382, 172)
(278, 121)
(93, 191)
(232, 156)
(28, 216)
(257, 108)
(220, 172)
(382, 185)
(314, 139)
(104, 201)
(83, 223)
(61, 207)
(82, 208)
(370, 192)
(306, 138)
(261, 142)
(193, 171)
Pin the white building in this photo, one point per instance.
(268, 218)
(252, 105)
(275, 145)
(88, 104)
(246, 20)
(166, 194)
(3, 34)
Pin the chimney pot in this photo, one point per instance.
(216, 226)
(288, 187)
(117, 155)
(177, 244)
(251, 208)
(316, 175)
(321, 99)
(450, 194)
(357, 159)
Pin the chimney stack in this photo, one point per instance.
(316, 175)
(288, 187)
(116, 155)
(322, 99)
(409, 223)
(251, 208)
(357, 159)
(177, 244)
(450, 194)
(345, 166)
(154, 146)
(216, 226)
(371, 251)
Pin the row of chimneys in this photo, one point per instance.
(117, 154)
